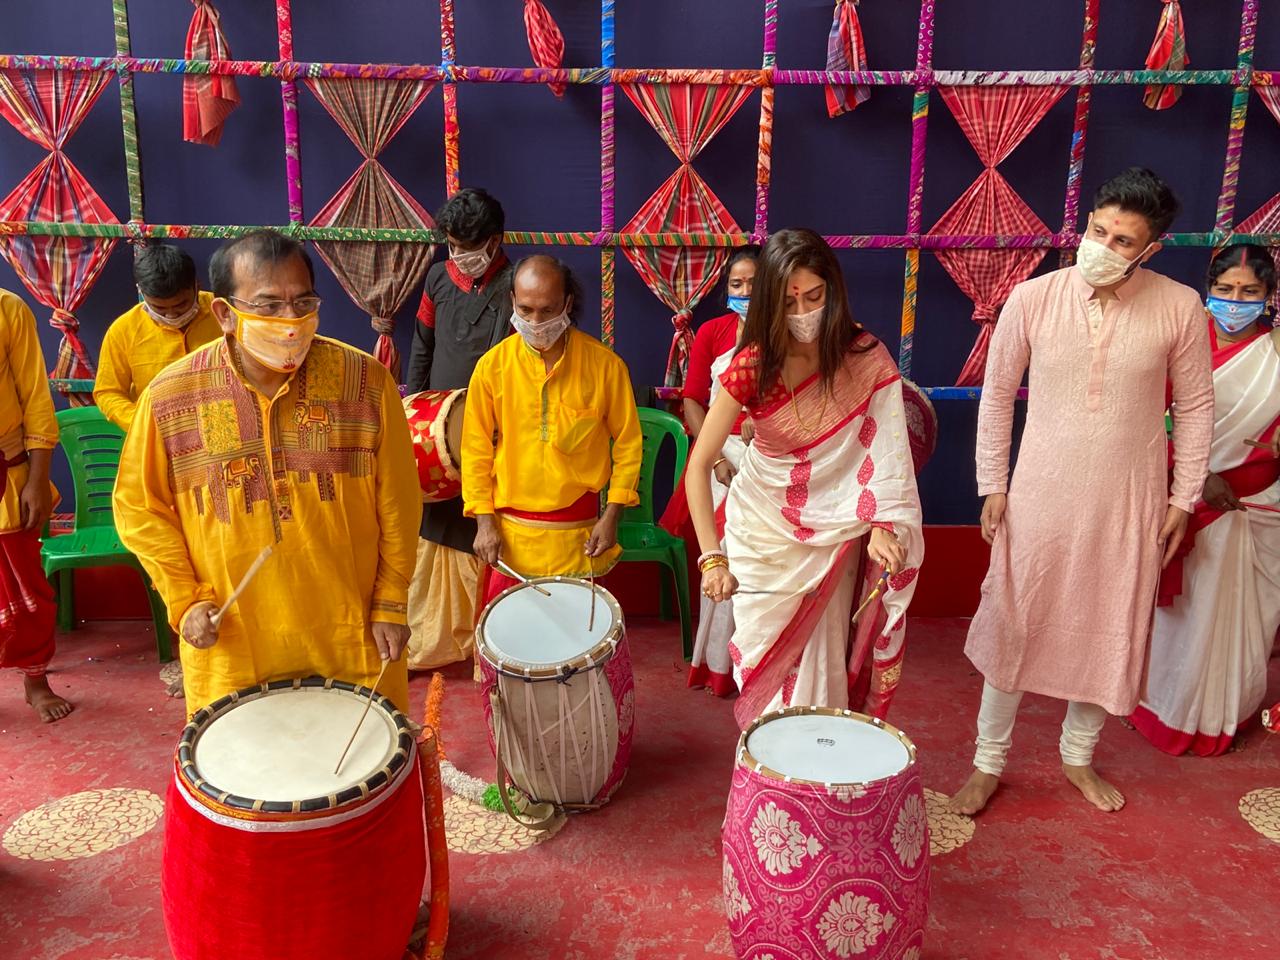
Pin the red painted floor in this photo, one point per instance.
(1177, 875)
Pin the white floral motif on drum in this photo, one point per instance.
(780, 842)
(853, 923)
(909, 832)
(735, 904)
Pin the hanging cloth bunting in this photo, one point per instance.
(846, 51)
(995, 120)
(546, 42)
(379, 277)
(47, 107)
(207, 100)
(1168, 52)
(1266, 219)
(687, 117)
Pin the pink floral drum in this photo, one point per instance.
(558, 690)
(826, 842)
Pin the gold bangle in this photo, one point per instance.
(720, 461)
(711, 563)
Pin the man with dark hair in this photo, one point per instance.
(1080, 536)
(272, 436)
(464, 312)
(562, 408)
(172, 319)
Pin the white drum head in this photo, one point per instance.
(284, 746)
(827, 748)
(526, 628)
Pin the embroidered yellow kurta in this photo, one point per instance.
(213, 471)
(26, 406)
(553, 433)
(136, 348)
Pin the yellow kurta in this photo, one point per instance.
(26, 406)
(136, 348)
(553, 431)
(212, 472)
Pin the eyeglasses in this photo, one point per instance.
(301, 306)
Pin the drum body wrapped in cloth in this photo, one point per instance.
(559, 697)
(826, 840)
(268, 855)
(435, 424)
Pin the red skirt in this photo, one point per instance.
(27, 608)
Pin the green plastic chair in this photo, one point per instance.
(641, 539)
(92, 445)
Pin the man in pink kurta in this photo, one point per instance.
(1080, 536)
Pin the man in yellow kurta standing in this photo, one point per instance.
(173, 319)
(272, 436)
(28, 434)
(554, 398)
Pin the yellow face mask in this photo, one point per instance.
(278, 343)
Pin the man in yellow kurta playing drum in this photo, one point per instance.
(541, 412)
(271, 436)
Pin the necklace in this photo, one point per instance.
(795, 409)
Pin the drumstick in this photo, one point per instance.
(880, 584)
(591, 618)
(244, 582)
(1259, 506)
(363, 713)
(1257, 444)
(504, 569)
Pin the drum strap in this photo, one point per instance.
(542, 815)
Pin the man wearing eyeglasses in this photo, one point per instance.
(172, 319)
(272, 436)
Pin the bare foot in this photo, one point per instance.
(47, 704)
(1096, 790)
(973, 796)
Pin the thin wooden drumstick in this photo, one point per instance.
(880, 584)
(244, 582)
(504, 569)
(1257, 444)
(591, 618)
(369, 703)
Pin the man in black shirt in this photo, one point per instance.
(465, 310)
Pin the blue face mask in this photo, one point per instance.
(1232, 316)
(739, 305)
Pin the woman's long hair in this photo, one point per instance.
(766, 325)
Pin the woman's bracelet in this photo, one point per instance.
(711, 553)
(720, 461)
(712, 562)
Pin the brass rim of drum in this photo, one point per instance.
(592, 659)
(440, 436)
(230, 804)
(745, 757)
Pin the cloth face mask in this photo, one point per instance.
(1103, 267)
(1232, 316)
(176, 323)
(278, 343)
(540, 336)
(472, 262)
(805, 326)
(739, 305)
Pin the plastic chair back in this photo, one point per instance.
(656, 426)
(92, 445)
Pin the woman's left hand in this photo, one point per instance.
(885, 550)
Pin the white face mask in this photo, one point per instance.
(473, 263)
(805, 326)
(176, 323)
(1103, 267)
(540, 336)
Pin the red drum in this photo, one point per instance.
(559, 698)
(435, 423)
(826, 840)
(268, 855)
(922, 423)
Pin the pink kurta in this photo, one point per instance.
(1067, 603)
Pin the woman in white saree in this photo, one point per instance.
(828, 471)
(1220, 597)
